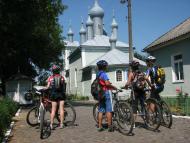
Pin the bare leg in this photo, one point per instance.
(109, 118)
(53, 110)
(61, 108)
(100, 119)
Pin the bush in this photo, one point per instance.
(7, 110)
(77, 97)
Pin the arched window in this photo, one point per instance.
(119, 76)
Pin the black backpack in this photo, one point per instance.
(96, 88)
(57, 84)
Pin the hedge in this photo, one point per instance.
(8, 109)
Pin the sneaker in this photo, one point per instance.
(134, 126)
(100, 129)
(51, 127)
(61, 126)
(110, 129)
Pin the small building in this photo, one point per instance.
(16, 87)
(172, 51)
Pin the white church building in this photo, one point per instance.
(80, 57)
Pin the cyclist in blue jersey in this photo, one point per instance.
(151, 74)
(105, 97)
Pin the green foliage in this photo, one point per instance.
(139, 56)
(178, 106)
(7, 110)
(30, 35)
(78, 97)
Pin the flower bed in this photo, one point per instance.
(8, 109)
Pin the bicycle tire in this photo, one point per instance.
(68, 108)
(42, 114)
(95, 112)
(152, 118)
(166, 114)
(124, 117)
(33, 111)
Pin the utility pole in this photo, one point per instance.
(129, 28)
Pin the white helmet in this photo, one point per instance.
(151, 58)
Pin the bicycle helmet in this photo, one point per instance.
(102, 63)
(150, 58)
(134, 63)
(55, 69)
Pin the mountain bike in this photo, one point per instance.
(122, 118)
(151, 118)
(166, 115)
(36, 115)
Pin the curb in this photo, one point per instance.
(9, 130)
(183, 117)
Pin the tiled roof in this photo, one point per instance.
(115, 57)
(181, 29)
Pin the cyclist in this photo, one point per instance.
(137, 80)
(57, 94)
(151, 75)
(104, 97)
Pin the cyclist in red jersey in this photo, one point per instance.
(57, 94)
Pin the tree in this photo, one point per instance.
(29, 35)
(139, 56)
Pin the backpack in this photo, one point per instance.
(139, 81)
(161, 77)
(96, 88)
(57, 83)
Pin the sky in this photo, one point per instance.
(150, 18)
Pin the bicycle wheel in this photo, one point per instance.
(42, 115)
(69, 114)
(32, 116)
(166, 114)
(152, 114)
(124, 117)
(95, 114)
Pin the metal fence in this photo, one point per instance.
(179, 105)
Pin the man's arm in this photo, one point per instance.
(129, 80)
(147, 78)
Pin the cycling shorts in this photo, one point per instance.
(105, 104)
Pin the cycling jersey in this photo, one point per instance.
(56, 95)
(151, 72)
(105, 105)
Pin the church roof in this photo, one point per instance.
(102, 41)
(96, 10)
(71, 44)
(115, 57)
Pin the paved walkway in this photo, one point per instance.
(86, 132)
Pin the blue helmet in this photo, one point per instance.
(102, 63)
